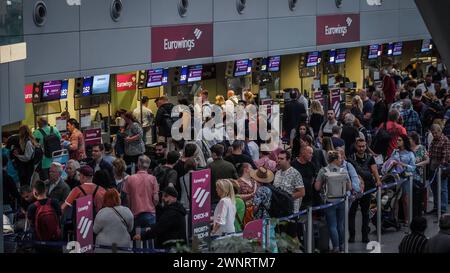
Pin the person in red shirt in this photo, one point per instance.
(394, 129)
(86, 188)
(389, 88)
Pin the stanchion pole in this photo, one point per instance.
(439, 189)
(309, 232)
(379, 215)
(410, 199)
(346, 225)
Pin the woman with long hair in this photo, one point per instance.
(317, 117)
(327, 146)
(225, 212)
(298, 135)
(357, 107)
(77, 148)
(404, 157)
(134, 144)
(422, 160)
(24, 154)
(220, 101)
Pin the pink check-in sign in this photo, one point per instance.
(181, 42)
(85, 223)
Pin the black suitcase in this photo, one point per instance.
(321, 240)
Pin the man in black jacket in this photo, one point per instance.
(162, 119)
(293, 110)
(98, 163)
(380, 111)
(171, 225)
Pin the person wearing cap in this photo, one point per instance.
(145, 118)
(86, 188)
(171, 224)
(440, 243)
(263, 194)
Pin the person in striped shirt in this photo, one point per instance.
(415, 241)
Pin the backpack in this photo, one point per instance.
(335, 186)
(381, 141)
(93, 198)
(51, 143)
(37, 155)
(47, 224)
(168, 119)
(281, 203)
(161, 173)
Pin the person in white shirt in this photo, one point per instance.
(301, 98)
(225, 211)
(428, 85)
(253, 148)
(145, 119)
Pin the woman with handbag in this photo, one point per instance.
(24, 155)
(113, 224)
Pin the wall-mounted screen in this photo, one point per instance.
(64, 89)
(51, 91)
(374, 52)
(313, 59)
(87, 86)
(274, 63)
(183, 75)
(155, 77)
(195, 73)
(100, 84)
(341, 55)
(332, 56)
(397, 50)
(427, 46)
(242, 68)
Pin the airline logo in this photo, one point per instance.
(200, 197)
(84, 226)
(333, 29)
(171, 43)
(126, 82)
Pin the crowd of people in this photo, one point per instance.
(142, 180)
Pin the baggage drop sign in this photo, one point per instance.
(201, 203)
(85, 223)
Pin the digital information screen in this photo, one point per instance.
(274, 63)
(100, 84)
(426, 46)
(195, 73)
(64, 89)
(341, 55)
(313, 59)
(184, 74)
(155, 77)
(373, 52)
(398, 47)
(242, 67)
(51, 91)
(332, 56)
(87, 86)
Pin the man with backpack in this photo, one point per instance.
(44, 216)
(288, 179)
(49, 139)
(366, 168)
(165, 174)
(86, 188)
(385, 140)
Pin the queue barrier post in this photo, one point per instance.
(309, 231)
(439, 189)
(379, 215)
(410, 199)
(346, 224)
